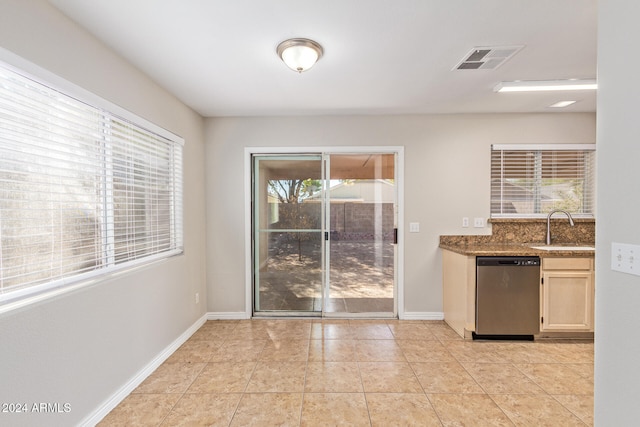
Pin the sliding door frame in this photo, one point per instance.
(250, 151)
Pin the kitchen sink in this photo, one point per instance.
(564, 248)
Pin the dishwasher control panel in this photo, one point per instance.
(507, 261)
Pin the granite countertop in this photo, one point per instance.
(515, 237)
(515, 249)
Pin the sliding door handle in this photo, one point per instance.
(395, 236)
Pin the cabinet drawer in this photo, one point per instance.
(567, 263)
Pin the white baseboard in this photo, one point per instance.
(422, 315)
(228, 315)
(102, 411)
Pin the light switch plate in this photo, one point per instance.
(478, 222)
(625, 258)
(414, 227)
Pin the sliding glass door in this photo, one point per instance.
(324, 234)
(361, 251)
(288, 237)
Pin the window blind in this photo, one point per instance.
(82, 191)
(531, 181)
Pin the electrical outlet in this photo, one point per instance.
(197, 297)
(465, 222)
(414, 227)
(478, 222)
(625, 258)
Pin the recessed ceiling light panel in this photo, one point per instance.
(562, 104)
(545, 85)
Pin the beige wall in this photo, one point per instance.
(82, 347)
(446, 178)
(617, 372)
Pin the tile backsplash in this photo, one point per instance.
(507, 230)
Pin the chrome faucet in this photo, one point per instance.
(549, 222)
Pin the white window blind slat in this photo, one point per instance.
(83, 191)
(532, 181)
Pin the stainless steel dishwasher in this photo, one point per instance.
(507, 297)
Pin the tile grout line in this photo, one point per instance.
(304, 386)
(242, 394)
(568, 409)
(548, 393)
(181, 394)
(235, 410)
(423, 390)
(364, 392)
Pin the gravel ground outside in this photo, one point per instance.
(361, 276)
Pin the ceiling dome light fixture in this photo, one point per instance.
(299, 54)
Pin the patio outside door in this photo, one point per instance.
(324, 234)
(361, 254)
(288, 238)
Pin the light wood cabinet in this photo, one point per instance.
(459, 292)
(567, 295)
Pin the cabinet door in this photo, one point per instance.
(567, 301)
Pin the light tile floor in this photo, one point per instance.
(361, 373)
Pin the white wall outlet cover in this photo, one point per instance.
(478, 222)
(625, 258)
(465, 221)
(414, 227)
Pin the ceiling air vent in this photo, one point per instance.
(487, 58)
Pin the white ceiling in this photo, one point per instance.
(381, 56)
